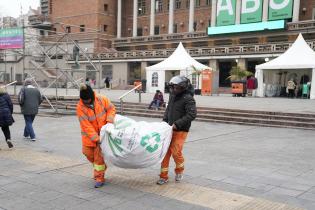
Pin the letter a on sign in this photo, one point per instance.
(280, 9)
(226, 12)
(251, 11)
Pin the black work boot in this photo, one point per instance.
(10, 145)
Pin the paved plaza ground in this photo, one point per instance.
(227, 167)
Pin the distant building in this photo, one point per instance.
(125, 36)
(8, 22)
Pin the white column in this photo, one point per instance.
(296, 10)
(238, 12)
(152, 17)
(191, 15)
(119, 19)
(171, 17)
(265, 10)
(312, 94)
(213, 13)
(135, 17)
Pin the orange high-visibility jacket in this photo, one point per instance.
(91, 121)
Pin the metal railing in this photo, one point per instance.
(246, 49)
(127, 93)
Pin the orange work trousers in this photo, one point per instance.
(175, 150)
(95, 156)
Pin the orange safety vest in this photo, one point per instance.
(92, 120)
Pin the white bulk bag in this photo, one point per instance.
(130, 144)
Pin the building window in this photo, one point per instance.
(68, 29)
(155, 79)
(208, 2)
(195, 26)
(139, 32)
(105, 28)
(158, 6)
(105, 7)
(313, 15)
(178, 4)
(141, 7)
(156, 30)
(82, 28)
(175, 28)
(187, 4)
(197, 3)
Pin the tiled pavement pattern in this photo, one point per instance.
(227, 167)
(57, 182)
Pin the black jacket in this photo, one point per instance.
(181, 110)
(6, 110)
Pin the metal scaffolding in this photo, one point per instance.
(49, 52)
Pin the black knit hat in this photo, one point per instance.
(86, 92)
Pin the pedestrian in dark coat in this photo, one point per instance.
(29, 100)
(107, 85)
(6, 119)
(180, 112)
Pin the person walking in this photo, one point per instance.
(94, 111)
(251, 85)
(107, 85)
(180, 112)
(290, 88)
(29, 99)
(6, 119)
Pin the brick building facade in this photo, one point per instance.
(125, 46)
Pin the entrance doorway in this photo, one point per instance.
(134, 72)
(251, 65)
(225, 68)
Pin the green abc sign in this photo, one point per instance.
(251, 11)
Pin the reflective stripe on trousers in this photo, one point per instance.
(175, 150)
(95, 156)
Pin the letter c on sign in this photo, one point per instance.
(274, 5)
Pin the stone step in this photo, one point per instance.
(209, 113)
(219, 115)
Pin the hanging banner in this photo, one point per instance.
(11, 38)
(251, 11)
(280, 9)
(226, 12)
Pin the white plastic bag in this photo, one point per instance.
(130, 144)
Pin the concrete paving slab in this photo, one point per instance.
(308, 196)
(261, 156)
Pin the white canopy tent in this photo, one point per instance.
(180, 61)
(298, 59)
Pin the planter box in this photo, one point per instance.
(238, 88)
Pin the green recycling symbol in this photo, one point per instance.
(149, 147)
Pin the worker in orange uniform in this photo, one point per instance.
(93, 112)
(180, 112)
